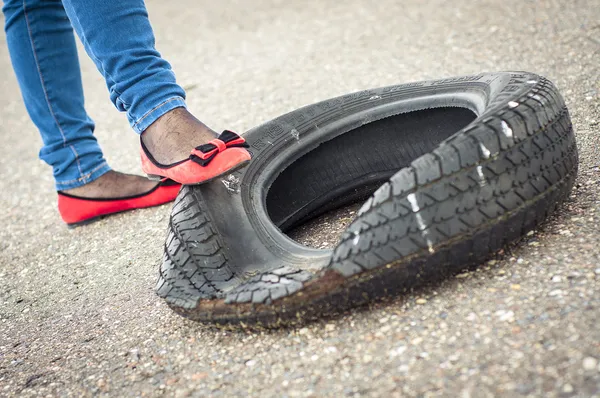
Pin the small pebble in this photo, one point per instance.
(567, 388)
(590, 363)
(421, 301)
(507, 316)
(398, 351)
(417, 341)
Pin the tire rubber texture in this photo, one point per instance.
(459, 167)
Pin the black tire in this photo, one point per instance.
(463, 166)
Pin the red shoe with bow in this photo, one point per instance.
(220, 156)
(76, 210)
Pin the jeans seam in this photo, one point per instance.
(85, 176)
(37, 64)
(154, 109)
(77, 159)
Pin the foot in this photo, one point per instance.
(113, 185)
(174, 135)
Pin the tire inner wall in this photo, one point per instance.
(350, 167)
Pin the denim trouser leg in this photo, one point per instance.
(118, 37)
(42, 49)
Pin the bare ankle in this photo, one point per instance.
(173, 136)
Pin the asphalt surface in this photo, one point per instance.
(78, 315)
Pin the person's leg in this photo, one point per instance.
(119, 39)
(44, 56)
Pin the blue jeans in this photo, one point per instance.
(119, 39)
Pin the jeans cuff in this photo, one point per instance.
(96, 172)
(152, 115)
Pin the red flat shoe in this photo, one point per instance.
(220, 156)
(76, 210)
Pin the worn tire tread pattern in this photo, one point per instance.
(478, 190)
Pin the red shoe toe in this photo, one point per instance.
(76, 210)
(229, 159)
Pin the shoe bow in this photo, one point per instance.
(203, 154)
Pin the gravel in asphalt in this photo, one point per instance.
(78, 314)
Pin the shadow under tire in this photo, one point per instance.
(451, 170)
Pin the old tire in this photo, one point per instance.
(461, 167)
